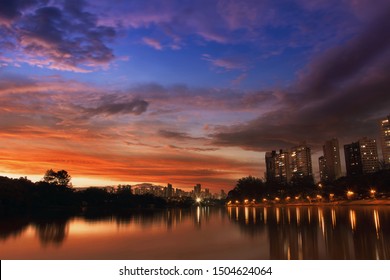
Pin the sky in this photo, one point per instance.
(185, 92)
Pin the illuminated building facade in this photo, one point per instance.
(361, 157)
(278, 167)
(385, 139)
(300, 161)
(369, 155)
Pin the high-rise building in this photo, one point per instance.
(282, 167)
(361, 157)
(332, 159)
(197, 190)
(323, 170)
(385, 139)
(278, 167)
(169, 190)
(353, 161)
(300, 161)
(369, 155)
(270, 166)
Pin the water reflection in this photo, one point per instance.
(52, 232)
(322, 232)
(377, 222)
(206, 233)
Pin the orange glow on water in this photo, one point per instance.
(352, 219)
(334, 221)
(377, 222)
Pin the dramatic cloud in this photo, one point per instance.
(185, 91)
(63, 37)
(177, 135)
(135, 107)
(343, 95)
(338, 65)
(12, 9)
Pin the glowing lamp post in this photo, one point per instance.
(372, 193)
(350, 194)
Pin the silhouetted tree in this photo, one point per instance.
(302, 185)
(248, 188)
(60, 178)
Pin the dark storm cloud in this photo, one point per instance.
(344, 94)
(181, 136)
(63, 37)
(339, 64)
(135, 107)
(11, 9)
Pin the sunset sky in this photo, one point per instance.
(185, 92)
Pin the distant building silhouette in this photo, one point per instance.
(324, 177)
(385, 139)
(270, 172)
(169, 191)
(353, 161)
(331, 165)
(197, 190)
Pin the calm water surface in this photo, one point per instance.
(205, 233)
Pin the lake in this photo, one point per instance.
(289, 232)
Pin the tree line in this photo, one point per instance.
(56, 194)
(255, 188)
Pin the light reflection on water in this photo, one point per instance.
(325, 232)
(204, 233)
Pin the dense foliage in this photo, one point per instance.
(54, 194)
(254, 188)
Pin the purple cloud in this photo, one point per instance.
(63, 37)
(343, 95)
(134, 107)
(152, 43)
(228, 63)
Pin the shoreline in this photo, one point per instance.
(376, 202)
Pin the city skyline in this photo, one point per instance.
(185, 93)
